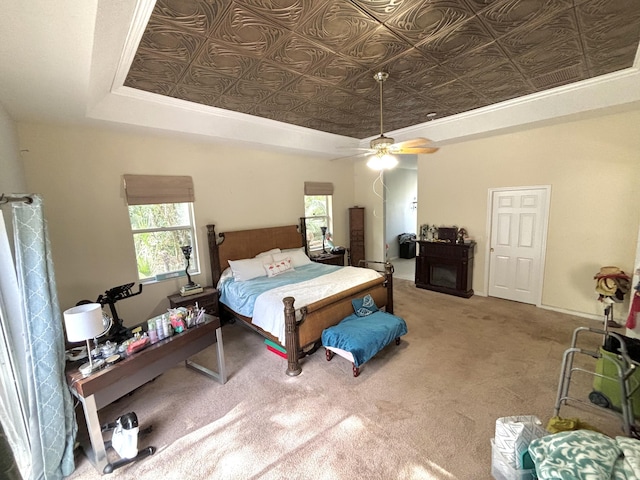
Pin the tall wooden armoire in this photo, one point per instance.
(356, 235)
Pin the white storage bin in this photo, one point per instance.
(501, 469)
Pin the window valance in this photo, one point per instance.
(152, 189)
(318, 188)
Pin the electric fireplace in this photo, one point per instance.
(445, 267)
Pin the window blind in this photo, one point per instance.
(152, 189)
(318, 188)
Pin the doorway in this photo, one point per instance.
(401, 214)
(518, 218)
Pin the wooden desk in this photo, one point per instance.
(107, 385)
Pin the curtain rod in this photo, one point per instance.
(8, 198)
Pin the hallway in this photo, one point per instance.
(404, 268)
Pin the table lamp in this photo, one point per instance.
(82, 323)
(324, 234)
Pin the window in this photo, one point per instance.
(161, 223)
(318, 212)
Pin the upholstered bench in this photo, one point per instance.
(359, 338)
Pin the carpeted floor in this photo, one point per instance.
(425, 409)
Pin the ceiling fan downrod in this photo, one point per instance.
(381, 142)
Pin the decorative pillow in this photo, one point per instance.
(364, 306)
(276, 268)
(574, 455)
(297, 256)
(249, 268)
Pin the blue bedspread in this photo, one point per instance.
(363, 337)
(241, 296)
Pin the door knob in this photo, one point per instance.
(491, 250)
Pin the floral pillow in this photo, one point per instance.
(574, 455)
(276, 268)
(364, 306)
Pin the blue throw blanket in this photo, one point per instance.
(363, 337)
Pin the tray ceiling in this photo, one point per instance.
(311, 63)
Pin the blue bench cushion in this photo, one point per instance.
(363, 337)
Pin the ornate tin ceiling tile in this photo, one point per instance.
(459, 40)
(168, 40)
(269, 57)
(195, 16)
(481, 59)
(542, 35)
(204, 96)
(306, 87)
(149, 65)
(198, 76)
(288, 13)
(270, 75)
(424, 81)
(537, 61)
(373, 49)
(422, 20)
(410, 62)
(247, 31)
(503, 17)
(152, 85)
(224, 60)
(299, 54)
(336, 24)
(382, 9)
(339, 70)
(281, 101)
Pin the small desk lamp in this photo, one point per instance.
(191, 287)
(84, 322)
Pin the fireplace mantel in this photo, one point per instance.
(445, 267)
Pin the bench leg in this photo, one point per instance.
(398, 341)
(356, 370)
(329, 354)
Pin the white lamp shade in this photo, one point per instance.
(83, 322)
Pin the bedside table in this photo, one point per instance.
(207, 299)
(329, 259)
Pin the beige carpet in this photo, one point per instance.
(425, 409)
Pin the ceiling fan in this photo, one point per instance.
(383, 149)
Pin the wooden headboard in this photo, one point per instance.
(247, 244)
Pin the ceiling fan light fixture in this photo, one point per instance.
(383, 161)
(381, 142)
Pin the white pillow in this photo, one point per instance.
(268, 252)
(249, 268)
(276, 268)
(298, 257)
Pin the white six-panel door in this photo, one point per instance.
(518, 224)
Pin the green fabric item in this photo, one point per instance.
(559, 424)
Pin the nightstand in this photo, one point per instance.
(207, 299)
(329, 259)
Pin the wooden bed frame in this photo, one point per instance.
(301, 337)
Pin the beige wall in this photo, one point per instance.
(593, 167)
(78, 172)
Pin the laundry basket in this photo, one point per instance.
(407, 243)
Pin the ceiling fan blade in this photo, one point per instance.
(415, 151)
(414, 142)
(368, 152)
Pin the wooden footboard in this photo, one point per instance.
(303, 334)
(306, 332)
